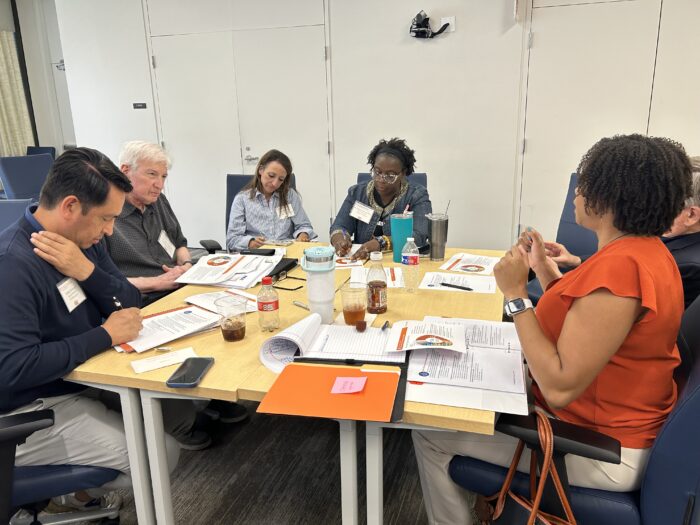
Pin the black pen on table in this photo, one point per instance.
(449, 285)
(117, 304)
(385, 325)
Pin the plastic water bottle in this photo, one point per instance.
(376, 285)
(268, 306)
(410, 259)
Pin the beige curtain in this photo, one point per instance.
(15, 126)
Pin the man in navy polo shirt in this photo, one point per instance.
(58, 309)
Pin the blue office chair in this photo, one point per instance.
(11, 210)
(415, 178)
(671, 482)
(234, 184)
(38, 150)
(30, 488)
(22, 177)
(577, 239)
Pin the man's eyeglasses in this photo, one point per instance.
(384, 177)
(281, 277)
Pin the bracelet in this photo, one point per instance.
(382, 243)
(387, 242)
(186, 262)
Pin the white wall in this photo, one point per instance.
(456, 99)
(453, 98)
(6, 21)
(107, 63)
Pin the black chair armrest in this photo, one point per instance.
(210, 246)
(568, 438)
(17, 427)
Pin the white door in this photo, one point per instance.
(196, 88)
(281, 85)
(590, 76)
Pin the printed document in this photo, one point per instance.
(470, 263)
(212, 269)
(208, 300)
(347, 262)
(162, 328)
(415, 335)
(434, 280)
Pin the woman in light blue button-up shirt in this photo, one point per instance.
(268, 208)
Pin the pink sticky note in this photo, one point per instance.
(348, 385)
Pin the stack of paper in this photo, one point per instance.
(489, 375)
(208, 300)
(230, 270)
(164, 327)
(436, 280)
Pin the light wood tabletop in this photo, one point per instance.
(238, 373)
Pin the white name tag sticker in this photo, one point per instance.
(286, 212)
(71, 293)
(167, 245)
(361, 212)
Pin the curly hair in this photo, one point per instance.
(395, 147)
(643, 181)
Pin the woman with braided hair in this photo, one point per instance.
(389, 191)
(601, 347)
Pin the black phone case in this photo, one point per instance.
(180, 369)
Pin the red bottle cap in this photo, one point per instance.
(267, 280)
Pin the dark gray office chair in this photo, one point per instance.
(577, 239)
(234, 184)
(11, 210)
(23, 177)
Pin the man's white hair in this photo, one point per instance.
(138, 151)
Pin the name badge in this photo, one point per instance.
(361, 212)
(286, 212)
(168, 246)
(71, 293)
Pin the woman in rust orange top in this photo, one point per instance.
(601, 347)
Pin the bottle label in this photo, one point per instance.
(409, 258)
(268, 306)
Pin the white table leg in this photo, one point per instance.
(136, 448)
(348, 471)
(375, 471)
(158, 457)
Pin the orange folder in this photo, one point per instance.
(304, 389)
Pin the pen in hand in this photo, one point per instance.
(457, 286)
(117, 304)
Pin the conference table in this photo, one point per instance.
(238, 374)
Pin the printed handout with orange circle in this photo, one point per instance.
(472, 268)
(219, 261)
(432, 340)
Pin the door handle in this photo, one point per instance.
(250, 158)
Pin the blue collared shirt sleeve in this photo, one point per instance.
(238, 235)
(300, 221)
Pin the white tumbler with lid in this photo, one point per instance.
(319, 264)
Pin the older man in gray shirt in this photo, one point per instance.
(147, 245)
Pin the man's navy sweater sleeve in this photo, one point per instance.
(106, 282)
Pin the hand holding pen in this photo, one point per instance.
(123, 325)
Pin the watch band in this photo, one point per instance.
(517, 306)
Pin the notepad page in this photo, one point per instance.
(345, 342)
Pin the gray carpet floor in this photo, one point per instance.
(284, 470)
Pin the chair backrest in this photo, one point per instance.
(38, 150)
(234, 184)
(577, 239)
(22, 177)
(672, 478)
(11, 210)
(416, 178)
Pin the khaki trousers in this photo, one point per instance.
(447, 503)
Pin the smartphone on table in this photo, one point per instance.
(190, 372)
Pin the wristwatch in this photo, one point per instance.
(516, 306)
